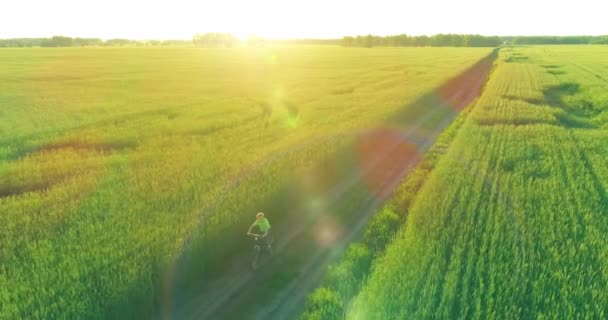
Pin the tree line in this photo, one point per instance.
(229, 40)
(464, 40)
(218, 39)
(558, 40)
(439, 40)
(61, 41)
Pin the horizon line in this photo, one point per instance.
(294, 38)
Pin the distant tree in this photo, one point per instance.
(421, 41)
(402, 40)
(436, 40)
(348, 42)
(83, 42)
(117, 42)
(214, 40)
(58, 41)
(367, 41)
(600, 40)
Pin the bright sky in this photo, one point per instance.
(181, 19)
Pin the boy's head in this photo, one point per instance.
(259, 216)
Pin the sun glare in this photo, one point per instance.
(181, 19)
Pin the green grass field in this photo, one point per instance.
(129, 173)
(110, 156)
(512, 221)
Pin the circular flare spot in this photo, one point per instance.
(327, 232)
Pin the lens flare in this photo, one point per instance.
(316, 204)
(327, 231)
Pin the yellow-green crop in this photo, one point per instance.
(110, 156)
(512, 222)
